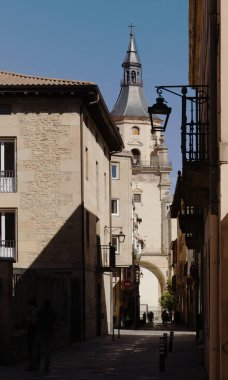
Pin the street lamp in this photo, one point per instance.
(121, 236)
(161, 109)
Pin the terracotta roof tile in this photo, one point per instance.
(15, 79)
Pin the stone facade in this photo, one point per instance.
(150, 180)
(208, 61)
(150, 169)
(60, 206)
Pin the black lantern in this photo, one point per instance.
(161, 109)
(121, 236)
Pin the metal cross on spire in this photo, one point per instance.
(131, 26)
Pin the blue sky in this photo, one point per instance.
(87, 40)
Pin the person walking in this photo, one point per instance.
(165, 317)
(150, 317)
(31, 328)
(46, 319)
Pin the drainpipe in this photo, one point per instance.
(83, 334)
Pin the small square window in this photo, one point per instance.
(137, 198)
(115, 170)
(115, 206)
(135, 131)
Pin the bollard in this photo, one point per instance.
(161, 355)
(171, 335)
(165, 339)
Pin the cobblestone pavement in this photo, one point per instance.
(134, 355)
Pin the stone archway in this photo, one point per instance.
(151, 288)
(156, 271)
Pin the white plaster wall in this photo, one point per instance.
(150, 212)
(122, 190)
(153, 186)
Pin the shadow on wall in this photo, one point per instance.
(66, 272)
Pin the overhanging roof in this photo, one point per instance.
(88, 92)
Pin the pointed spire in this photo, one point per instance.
(131, 64)
(131, 100)
(132, 58)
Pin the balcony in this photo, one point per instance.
(191, 221)
(106, 258)
(194, 240)
(196, 176)
(8, 250)
(7, 181)
(148, 166)
(195, 149)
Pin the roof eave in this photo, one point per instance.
(91, 98)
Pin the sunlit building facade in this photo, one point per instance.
(55, 197)
(150, 169)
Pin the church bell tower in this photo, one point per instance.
(150, 166)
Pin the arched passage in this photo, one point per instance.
(156, 271)
(152, 284)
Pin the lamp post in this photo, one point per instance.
(121, 236)
(161, 109)
(197, 186)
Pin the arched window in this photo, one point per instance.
(127, 76)
(135, 131)
(136, 156)
(133, 76)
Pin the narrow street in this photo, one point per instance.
(133, 355)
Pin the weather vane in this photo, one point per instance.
(131, 26)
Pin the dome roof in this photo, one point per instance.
(131, 100)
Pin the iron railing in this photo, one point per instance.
(106, 257)
(8, 249)
(195, 126)
(7, 181)
(151, 164)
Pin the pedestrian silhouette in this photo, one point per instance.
(165, 317)
(43, 342)
(31, 328)
(150, 316)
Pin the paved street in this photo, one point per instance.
(134, 355)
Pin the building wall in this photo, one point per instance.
(209, 20)
(48, 201)
(223, 158)
(122, 189)
(48, 169)
(149, 210)
(150, 179)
